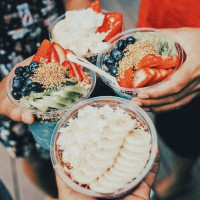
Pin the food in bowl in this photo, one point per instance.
(142, 59)
(103, 148)
(47, 87)
(86, 31)
(50, 82)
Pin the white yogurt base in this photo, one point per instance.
(78, 32)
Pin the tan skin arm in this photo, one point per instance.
(7, 108)
(76, 4)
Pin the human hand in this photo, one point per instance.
(141, 193)
(184, 84)
(7, 108)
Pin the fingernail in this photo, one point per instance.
(143, 96)
(27, 118)
(138, 103)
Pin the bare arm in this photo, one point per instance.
(76, 4)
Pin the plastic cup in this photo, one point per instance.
(45, 122)
(98, 102)
(92, 57)
(129, 93)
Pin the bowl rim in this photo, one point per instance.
(118, 100)
(126, 33)
(33, 110)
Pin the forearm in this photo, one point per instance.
(76, 4)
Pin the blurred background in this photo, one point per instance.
(11, 172)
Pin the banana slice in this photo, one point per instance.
(129, 163)
(135, 156)
(90, 171)
(138, 149)
(96, 163)
(108, 175)
(96, 186)
(123, 125)
(119, 173)
(109, 144)
(127, 169)
(82, 178)
(138, 137)
(106, 183)
(104, 154)
(115, 135)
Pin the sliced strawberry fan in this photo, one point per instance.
(49, 52)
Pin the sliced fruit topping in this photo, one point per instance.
(150, 60)
(44, 52)
(127, 80)
(141, 78)
(95, 6)
(60, 52)
(112, 24)
(171, 61)
(76, 71)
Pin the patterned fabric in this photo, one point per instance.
(23, 25)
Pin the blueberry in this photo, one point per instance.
(113, 71)
(36, 87)
(19, 70)
(121, 45)
(27, 74)
(27, 81)
(33, 66)
(18, 77)
(130, 40)
(109, 61)
(16, 94)
(25, 90)
(116, 54)
(27, 69)
(17, 82)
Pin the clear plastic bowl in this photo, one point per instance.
(90, 56)
(45, 122)
(114, 102)
(129, 93)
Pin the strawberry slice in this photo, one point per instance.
(170, 71)
(60, 51)
(171, 61)
(152, 72)
(44, 52)
(95, 6)
(83, 75)
(150, 60)
(67, 65)
(141, 78)
(54, 56)
(112, 25)
(127, 81)
(76, 72)
(164, 73)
